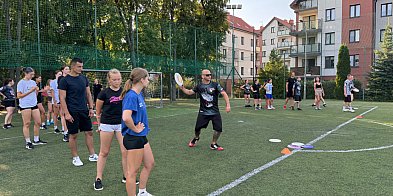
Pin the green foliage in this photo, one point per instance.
(381, 76)
(277, 71)
(343, 69)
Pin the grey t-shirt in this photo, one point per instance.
(347, 87)
(30, 100)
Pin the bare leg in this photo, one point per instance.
(89, 141)
(148, 164)
(73, 145)
(105, 146)
(216, 135)
(134, 161)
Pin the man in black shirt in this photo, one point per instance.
(74, 96)
(288, 88)
(256, 87)
(208, 110)
(96, 89)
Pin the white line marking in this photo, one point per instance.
(379, 123)
(353, 150)
(8, 138)
(279, 159)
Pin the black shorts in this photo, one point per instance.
(29, 108)
(49, 99)
(298, 98)
(348, 99)
(203, 122)
(257, 95)
(289, 94)
(132, 142)
(81, 122)
(246, 93)
(8, 103)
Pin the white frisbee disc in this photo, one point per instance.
(297, 144)
(275, 140)
(355, 90)
(178, 79)
(294, 146)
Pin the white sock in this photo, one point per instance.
(142, 190)
(36, 138)
(65, 132)
(42, 123)
(54, 127)
(28, 140)
(47, 121)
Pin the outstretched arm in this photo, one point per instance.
(226, 98)
(187, 91)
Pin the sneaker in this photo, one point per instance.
(29, 146)
(124, 180)
(345, 110)
(10, 125)
(324, 105)
(93, 158)
(42, 127)
(57, 131)
(355, 108)
(299, 108)
(52, 122)
(39, 142)
(144, 194)
(292, 107)
(77, 161)
(98, 185)
(313, 105)
(47, 123)
(285, 107)
(319, 108)
(352, 111)
(273, 108)
(5, 127)
(65, 138)
(193, 142)
(216, 147)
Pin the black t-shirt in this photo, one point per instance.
(75, 88)
(39, 94)
(8, 92)
(59, 79)
(208, 96)
(291, 81)
(247, 88)
(256, 87)
(111, 109)
(96, 89)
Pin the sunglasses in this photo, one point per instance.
(208, 75)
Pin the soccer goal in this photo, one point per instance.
(153, 93)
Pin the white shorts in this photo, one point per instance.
(110, 128)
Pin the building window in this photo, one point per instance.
(263, 53)
(224, 69)
(330, 14)
(386, 9)
(257, 57)
(241, 55)
(272, 41)
(354, 36)
(329, 62)
(272, 30)
(264, 42)
(382, 33)
(242, 70)
(225, 39)
(252, 57)
(354, 11)
(252, 42)
(256, 42)
(263, 65)
(329, 38)
(354, 60)
(224, 53)
(252, 71)
(242, 40)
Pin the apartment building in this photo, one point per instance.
(383, 14)
(276, 35)
(245, 50)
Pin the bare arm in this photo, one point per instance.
(63, 103)
(99, 104)
(226, 98)
(89, 98)
(315, 87)
(126, 116)
(187, 91)
(286, 86)
(20, 95)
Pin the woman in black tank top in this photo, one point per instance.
(318, 90)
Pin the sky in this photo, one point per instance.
(260, 12)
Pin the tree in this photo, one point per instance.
(343, 69)
(277, 71)
(381, 75)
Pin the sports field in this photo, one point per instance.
(351, 156)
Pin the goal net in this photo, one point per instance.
(153, 93)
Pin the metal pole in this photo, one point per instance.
(38, 36)
(216, 58)
(285, 66)
(233, 52)
(137, 38)
(95, 33)
(305, 64)
(253, 55)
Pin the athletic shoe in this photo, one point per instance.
(352, 111)
(285, 107)
(57, 131)
(65, 138)
(51, 122)
(193, 142)
(77, 161)
(292, 107)
(10, 125)
(319, 108)
(58, 118)
(313, 105)
(324, 105)
(42, 127)
(273, 108)
(39, 142)
(355, 108)
(93, 158)
(144, 194)
(299, 109)
(5, 127)
(216, 147)
(345, 110)
(29, 146)
(47, 123)
(316, 108)
(124, 180)
(98, 185)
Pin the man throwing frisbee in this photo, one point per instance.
(208, 110)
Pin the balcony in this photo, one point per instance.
(284, 44)
(311, 70)
(312, 50)
(283, 33)
(285, 56)
(312, 27)
(308, 4)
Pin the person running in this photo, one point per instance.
(38, 79)
(288, 86)
(135, 128)
(55, 100)
(297, 92)
(27, 94)
(49, 115)
(247, 90)
(347, 107)
(255, 88)
(108, 114)
(8, 101)
(318, 91)
(96, 89)
(65, 70)
(269, 94)
(74, 97)
(208, 110)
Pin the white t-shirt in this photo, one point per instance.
(269, 88)
(30, 100)
(53, 85)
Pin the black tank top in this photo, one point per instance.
(318, 85)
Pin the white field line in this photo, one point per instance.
(352, 150)
(279, 159)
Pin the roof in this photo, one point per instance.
(295, 2)
(283, 22)
(240, 24)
